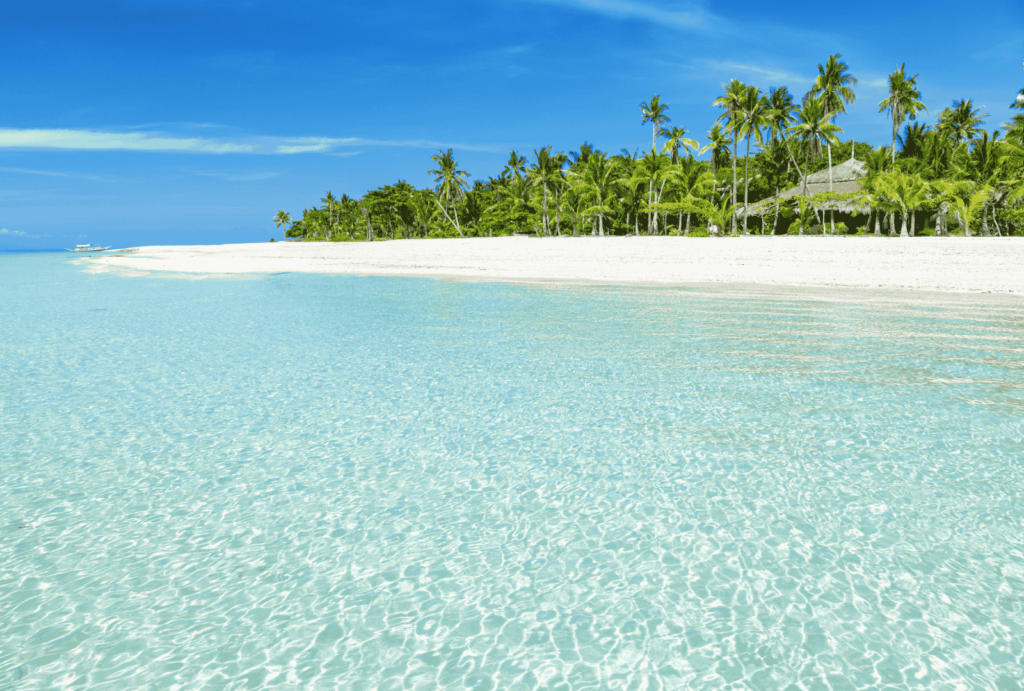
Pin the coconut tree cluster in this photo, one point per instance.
(771, 170)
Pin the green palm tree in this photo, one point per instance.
(282, 220)
(655, 113)
(678, 141)
(597, 180)
(451, 185)
(813, 124)
(756, 116)
(902, 103)
(515, 166)
(718, 142)
(731, 101)
(963, 121)
(834, 86)
(545, 172)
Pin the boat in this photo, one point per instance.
(87, 248)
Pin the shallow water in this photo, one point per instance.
(349, 482)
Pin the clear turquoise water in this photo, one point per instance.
(349, 482)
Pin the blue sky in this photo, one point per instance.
(164, 122)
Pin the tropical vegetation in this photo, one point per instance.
(955, 177)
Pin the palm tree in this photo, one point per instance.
(719, 143)
(654, 113)
(329, 201)
(515, 166)
(902, 103)
(756, 116)
(963, 121)
(814, 125)
(834, 85)
(677, 140)
(282, 220)
(545, 171)
(451, 185)
(735, 92)
(597, 179)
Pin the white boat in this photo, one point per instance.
(87, 248)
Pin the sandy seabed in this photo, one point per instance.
(950, 264)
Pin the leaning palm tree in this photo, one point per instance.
(834, 85)
(282, 220)
(451, 185)
(902, 103)
(655, 113)
(731, 101)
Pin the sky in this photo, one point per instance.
(193, 122)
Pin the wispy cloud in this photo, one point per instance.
(680, 15)
(54, 174)
(779, 76)
(16, 233)
(240, 177)
(90, 140)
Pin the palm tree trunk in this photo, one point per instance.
(913, 222)
(746, 187)
(832, 212)
(687, 224)
(878, 224)
(984, 221)
(679, 230)
(733, 175)
(775, 221)
(903, 228)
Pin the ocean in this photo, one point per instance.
(303, 481)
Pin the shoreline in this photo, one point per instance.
(947, 265)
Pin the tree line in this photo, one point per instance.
(952, 178)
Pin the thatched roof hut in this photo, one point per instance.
(847, 177)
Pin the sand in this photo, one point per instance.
(953, 264)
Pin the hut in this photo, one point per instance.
(847, 177)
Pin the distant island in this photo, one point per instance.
(794, 175)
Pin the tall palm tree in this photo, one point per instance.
(655, 113)
(329, 201)
(902, 103)
(451, 185)
(735, 92)
(756, 117)
(282, 220)
(598, 178)
(834, 85)
(814, 125)
(544, 173)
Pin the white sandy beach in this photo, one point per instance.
(954, 264)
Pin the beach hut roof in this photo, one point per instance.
(846, 178)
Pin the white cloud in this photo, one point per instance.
(303, 148)
(52, 173)
(88, 140)
(779, 76)
(18, 233)
(683, 15)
